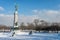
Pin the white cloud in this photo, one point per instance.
(25, 19)
(8, 19)
(1, 8)
(35, 11)
(47, 12)
(52, 12)
(50, 15)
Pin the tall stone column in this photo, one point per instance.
(16, 17)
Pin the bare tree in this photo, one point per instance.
(30, 26)
(36, 21)
(22, 26)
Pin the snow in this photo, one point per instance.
(19, 35)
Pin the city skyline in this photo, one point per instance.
(29, 10)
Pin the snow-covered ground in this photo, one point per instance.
(25, 36)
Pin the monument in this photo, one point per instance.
(15, 24)
(16, 16)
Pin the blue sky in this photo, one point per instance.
(48, 10)
(26, 6)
